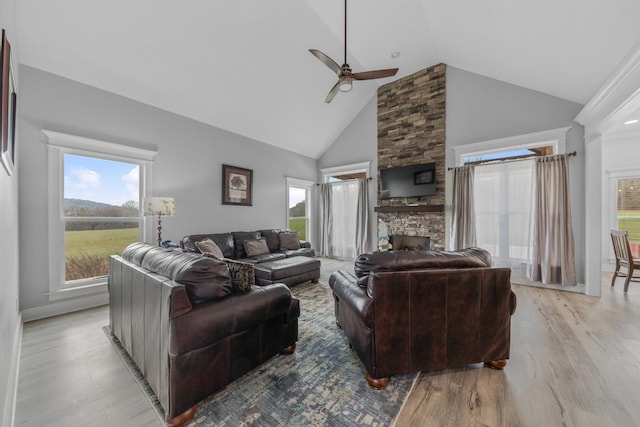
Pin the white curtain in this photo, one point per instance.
(344, 208)
(503, 197)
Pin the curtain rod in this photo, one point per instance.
(345, 180)
(513, 159)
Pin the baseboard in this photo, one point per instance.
(9, 405)
(65, 306)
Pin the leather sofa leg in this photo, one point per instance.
(183, 418)
(315, 280)
(496, 364)
(289, 349)
(377, 383)
(338, 324)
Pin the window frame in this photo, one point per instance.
(327, 173)
(557, 138)
(59, 144)
(614, 176)
(308, 187)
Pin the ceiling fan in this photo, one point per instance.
(345, 76)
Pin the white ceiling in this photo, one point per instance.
(244, 65)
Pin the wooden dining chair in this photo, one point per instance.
(624, 258)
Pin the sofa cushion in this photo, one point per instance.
(239, 238)
(223, 240)
(289, 240)
(265, 257)
(208, 246)
(300, 252)
(256, 247)
(206, 324)
(204, 278)
(272, 237)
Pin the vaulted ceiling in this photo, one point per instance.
(244, 65)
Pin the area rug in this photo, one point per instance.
(322, 384)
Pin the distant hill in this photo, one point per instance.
(79, 207)
(85, 204)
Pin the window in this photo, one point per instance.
(503, 193)
(101, 215)
(504, 209)
(299, 206)
(628, 207)
(344, 206)
(95, 189)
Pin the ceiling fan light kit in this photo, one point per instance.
(345, 76)
(346, 83)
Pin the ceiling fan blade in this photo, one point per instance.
(377, 74)
(333, 92)
(326, 60)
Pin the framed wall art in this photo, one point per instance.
(237, 186)
(8, 107)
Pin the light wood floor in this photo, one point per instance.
(575, 361)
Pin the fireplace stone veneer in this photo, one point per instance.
(411, 130)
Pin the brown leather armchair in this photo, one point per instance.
(408, 311)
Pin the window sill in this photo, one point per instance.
(79, 291)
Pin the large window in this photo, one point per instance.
(299, 206)
(95, 189)
(503, 193)
(504, 209)
(101, 214)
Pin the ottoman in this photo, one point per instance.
(290, 271)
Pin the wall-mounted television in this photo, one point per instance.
(408, 181)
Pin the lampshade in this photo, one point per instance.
(345, 83)
(164, 206)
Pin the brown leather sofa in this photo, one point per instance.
(409, 311)
(232, 245)
(190, 333)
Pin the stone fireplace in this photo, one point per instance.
(411, 130)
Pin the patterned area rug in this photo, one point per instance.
(321, 384)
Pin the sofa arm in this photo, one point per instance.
(346, 289)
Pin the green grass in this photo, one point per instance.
(99, 242)
(87, 251)
(632, 225)
(299, 225)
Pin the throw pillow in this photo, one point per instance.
(208, 246)
(255, 247)
(289, 240)
(243, 275)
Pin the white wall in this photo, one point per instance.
(359, 143)
(187, 167)
(482, 109)
(10, 321)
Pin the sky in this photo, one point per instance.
(296, 195)
(99, 180)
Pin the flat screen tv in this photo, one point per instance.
(408, 181)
